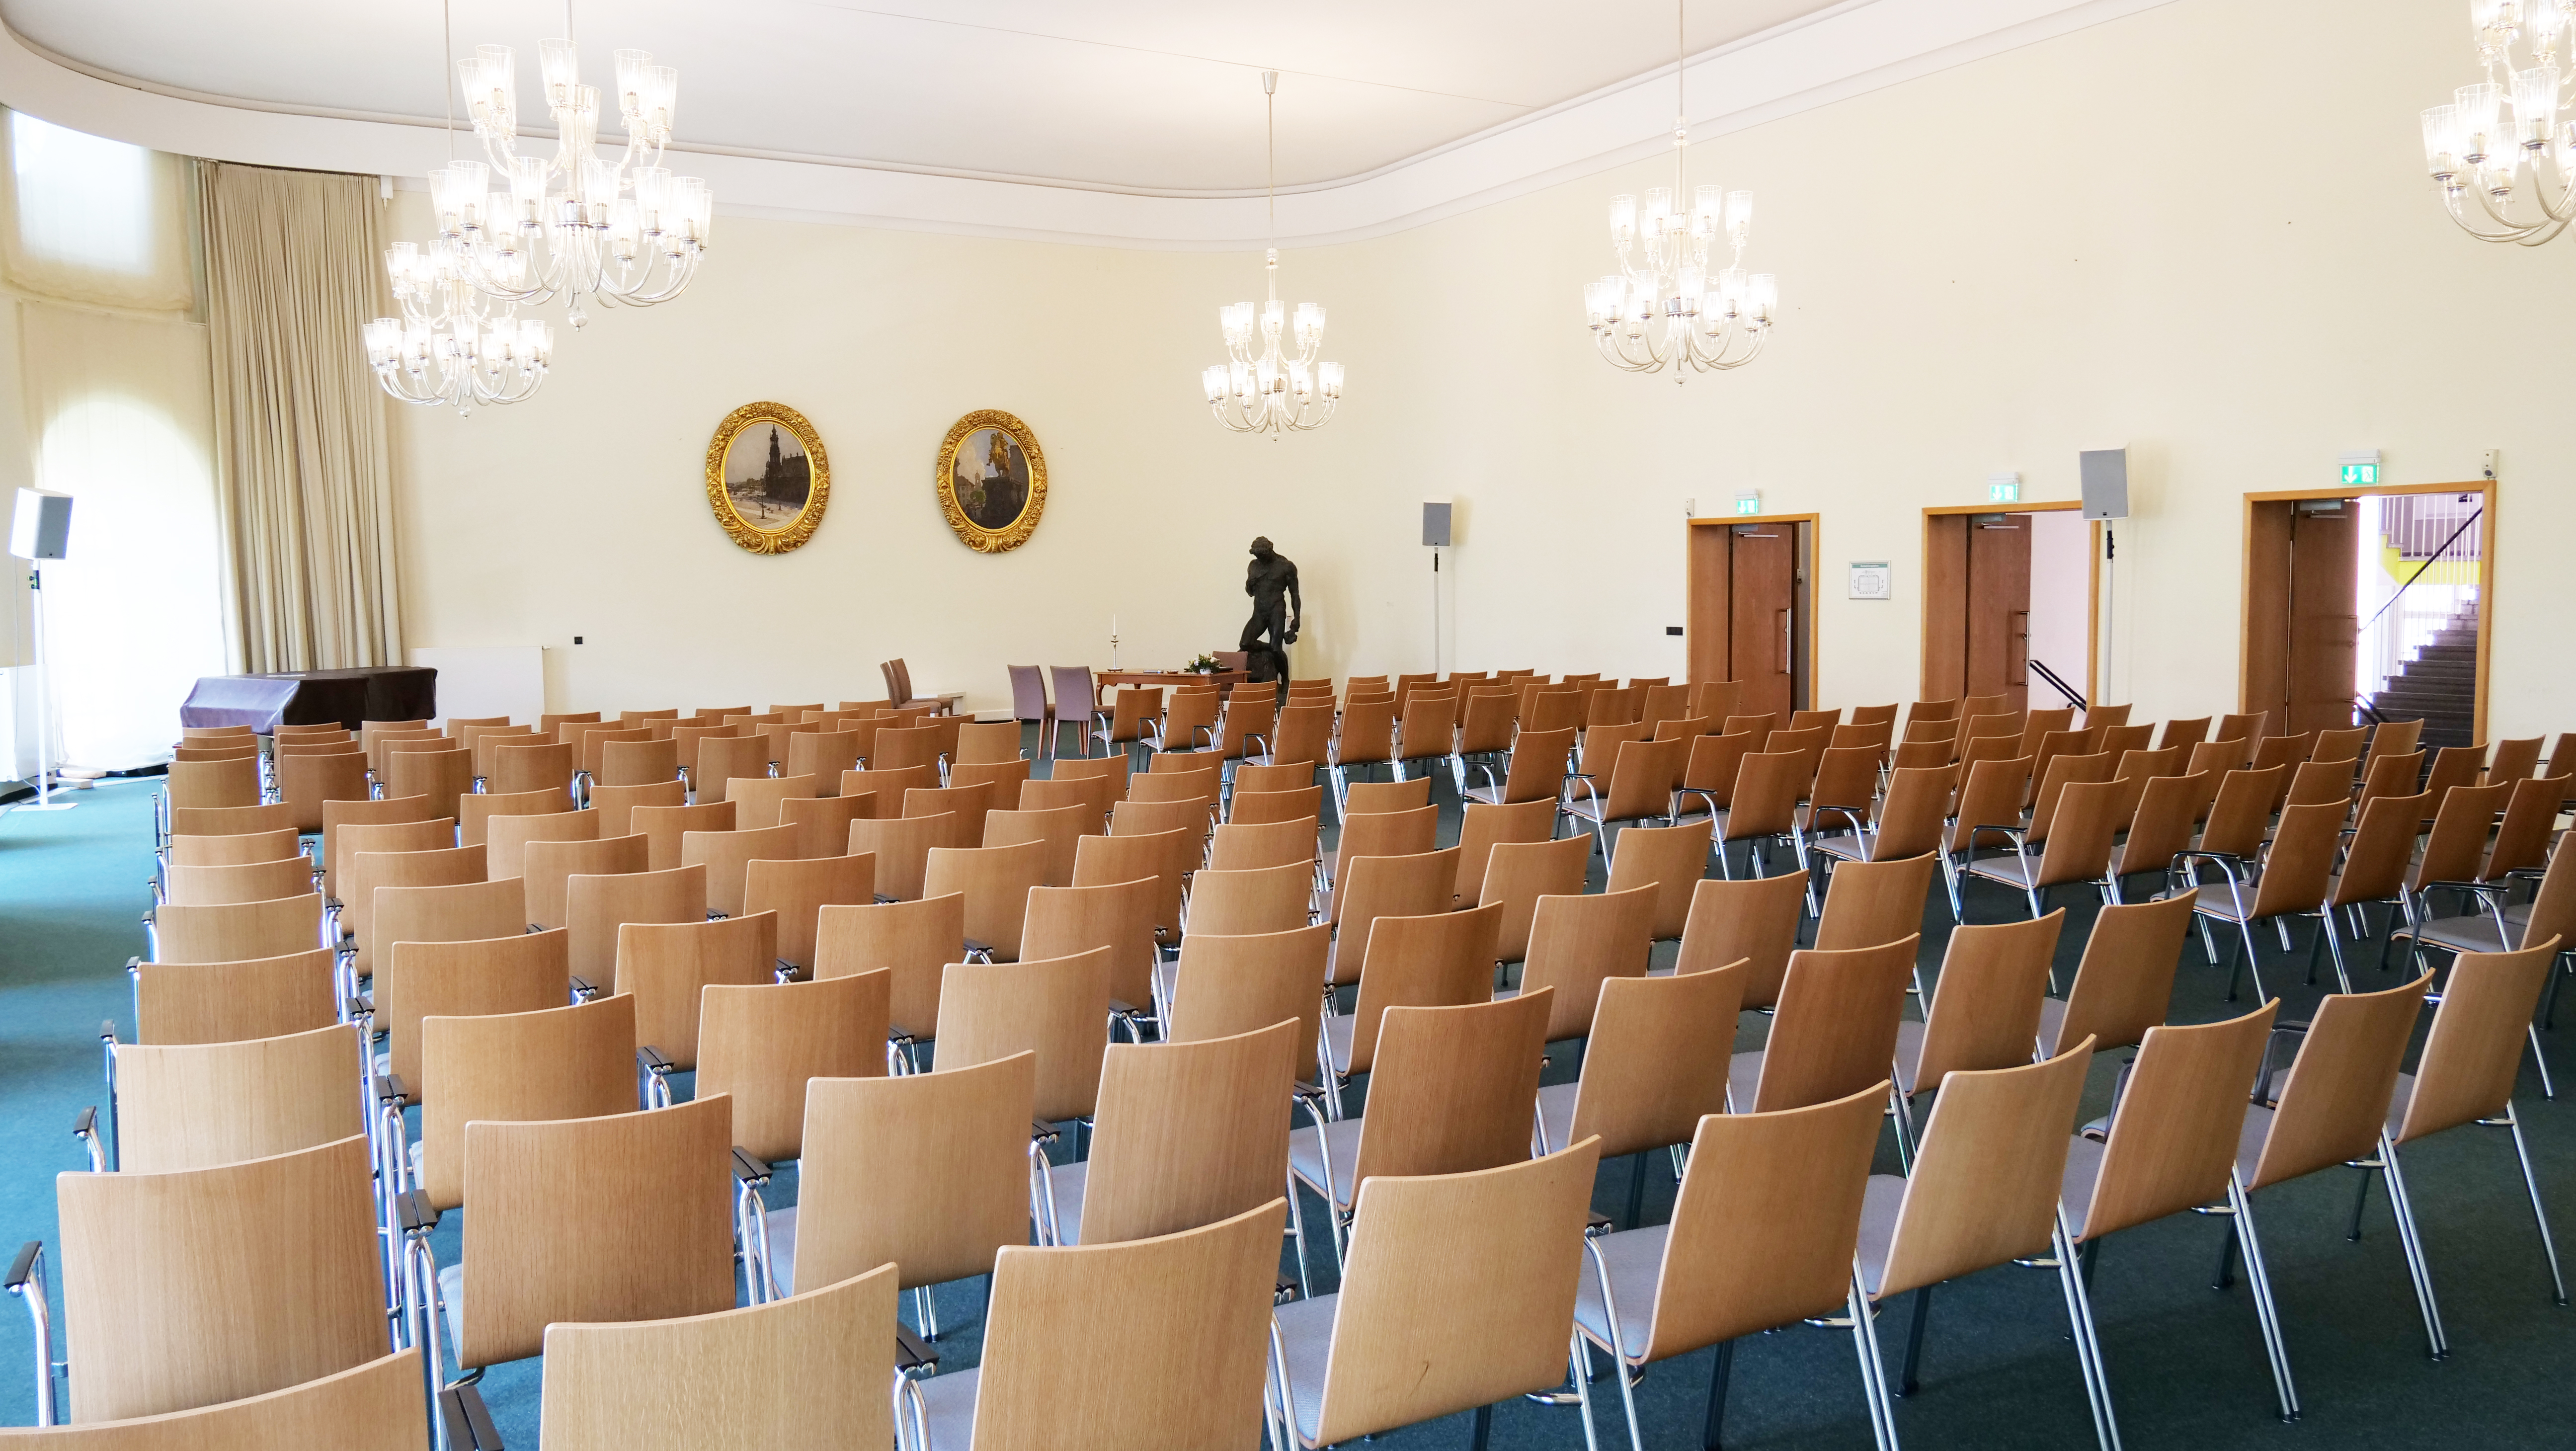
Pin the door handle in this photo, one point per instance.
(2019, 674)
(1784, 641)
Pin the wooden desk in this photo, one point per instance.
(1109, 680)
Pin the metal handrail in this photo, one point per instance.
(2429, 562)
(2057, 684)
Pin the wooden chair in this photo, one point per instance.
(965, 806)
(760, 1045)
(2466, 1076)
(506, 838)
(823, 755)
(995, 881)
(1230, 984)
(232, 820)
(1984, 1011)
(1440, 959)
(823, 822)
(530, 768)
(1639, 788)
(1762, 809)
(901, 846)
(2315, 783)
(2292, 881)
(2513, 760)
(2172, 1147)
(1394, 886)
(2124, 983)
(304, 782)
(1983, 1193)
(236, 932)
(1671, 859)
(1257, 900)
(1259, 807)
(196, 1106)
(1536, 772)
(1763, 1236)
(663, 969)
(236, 849)
(2074, 838)
(1384, 833)
(1649, 1073)
(649, 1189)
(372, 870)
(231, 781)
(1006, 778)
(796, 1375)
(1189, 1134)
(2160, 829)
(1168, 858)
(913, 940)
(723, 760)
(1754, 922)
(299, 1259)
(1835, 1029)
(1239, 846)
(549, 867)
(1452, 1089)
(595, 906)
(377, 1406)
(757, 801)
(1484, 827)
(1404, 1289)
(1056, 1008)
(339, 816)
(796, 891)
(228, 1001)
(287, 876)
(1366, 738)
(522, 973)
(1292, 775)
(1867, 903)
(728, 855)
(1189, 1319)
(1067, 921)
(475, 811)
(663, 828)
(553, 1063)
(2189, 732)
(1577, 943)
(1368, 797)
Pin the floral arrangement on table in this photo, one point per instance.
(1203, 665)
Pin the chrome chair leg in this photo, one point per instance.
(2267, 1311)
(2411, 1240)
(2088, 1340)
(2539, 1215)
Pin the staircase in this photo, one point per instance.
(2439, 684)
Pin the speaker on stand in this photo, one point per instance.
(2105, 474)
(1435, 537)
(39, 529)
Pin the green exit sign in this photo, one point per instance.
(2360, 475)
(2003, 490)
(1748, 503)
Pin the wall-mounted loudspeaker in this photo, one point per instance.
(2106, 483)
(41, 525)
(1435, 523)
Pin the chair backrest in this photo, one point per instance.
(1909, 819)
(662, 827)
(1766, 1220)
(1057, 1008)
(506, 838)
(996, 882)
(554, 1063)
(197, 1105)
(1435, 959)
(530, 768)
(1231, 983)
(475, 812)
(1367, 798)
(1847, 777)
(1254, 808)
(822, 822)
(1454, 1088)
(901, 848)
(2317, 782)
(890, 787)
(2088, 815)
(231, 781)
(1381, 833)
(264, 881)
(1063, 921)
(1578, 942)
(298, 1276)
(2242, 809)
(1933, 710)
(548, 868)
(407, 826)
(1482, 828)
(1985, 1005)
(914, 939)
(966, 806)
(2391, 776)
(522, 973)
(806, 1371)
(728, 855)
(1074, 700)
(1152, 818)
(1538, 764)
(236, 931)
(926, 1170)
(2238, 727)
(1261, 899)
(2522, 838)
(796, 890)
(1871, 902)
(2341, 745)
(2174, 1131)
(2161, 827)
(2375, 860)
(2137, 762)
(2335, 1104)
(466, 912)
(1059, 1366)
(1754, 922)
(756, 800)
(637, 763)
(662, 968)
(2221, 756)
(2189, 732)
(1402, 1351)
(2296, 876)
(235, 849)
(307, 779)
(1517, 874)
(646, 1188)
(1657, 1060)
(595, 906)
(1671, 859)
(2456, 847)
(228, 1001)
(1985, 1181)
(1238, 846)
(1188, 1133)
(1765, 800)
(1642, 784)
(759, 1044)
(228, 820)
(2397, 738)
(2474, 1051)
(369, 870)
(1836, 1026)
(2062, 771)
(1710, 772)
(2124, 984)
(1285, 775)
(1061, 828)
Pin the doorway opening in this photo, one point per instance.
(2008, 605)
(2366, 607)
(1751, 619)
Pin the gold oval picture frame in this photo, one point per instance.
(992, 481)
(767, 477)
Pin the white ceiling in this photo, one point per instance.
(1123, 122)
(1144, 95)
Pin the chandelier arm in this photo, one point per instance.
(2513, 230)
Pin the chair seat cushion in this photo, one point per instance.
(948, 1409)
(1306, 1343)
(1879, 1203)
(2075, 1189)
(782, 1248)
(1337, 1029)
(2008, 870)
(2465, 934)
(1743, 1078)
(1909, 1054)
(1635, 1260)
(1064, 1186)
(1312, 1148)
(2052, 1021)
(1556, 1114)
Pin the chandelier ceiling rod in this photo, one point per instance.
(1262, 387)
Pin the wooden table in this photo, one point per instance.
(1108, 680)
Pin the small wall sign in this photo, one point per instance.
(1872, 580)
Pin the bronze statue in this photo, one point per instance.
(1276, 607)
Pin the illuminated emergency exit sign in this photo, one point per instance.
(2360, 470)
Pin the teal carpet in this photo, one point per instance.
(2185, 1362)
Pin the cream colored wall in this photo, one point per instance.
(2201, 231)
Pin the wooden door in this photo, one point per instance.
(1762, 614)
(2324, 623)
(1998, 622)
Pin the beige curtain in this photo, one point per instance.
(303, 481)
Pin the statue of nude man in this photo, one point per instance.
(1276, 608)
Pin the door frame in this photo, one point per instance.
(2485, 488)
(1694, 583)
(2092, 586)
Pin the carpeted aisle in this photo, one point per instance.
(2185, 1361)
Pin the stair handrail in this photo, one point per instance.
(2428, 563)
(2057, 684)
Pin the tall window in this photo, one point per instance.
(82, 199)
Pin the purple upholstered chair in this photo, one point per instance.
(1075, 704)
(1029, 703)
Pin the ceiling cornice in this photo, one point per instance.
(1849, 50)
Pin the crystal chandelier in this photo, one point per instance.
(528, 229)
(1663, 306)
(2471, 149)
(1266, 392)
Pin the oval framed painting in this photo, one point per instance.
(767, 477)
(992, 481)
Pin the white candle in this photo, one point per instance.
(1113, 627)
